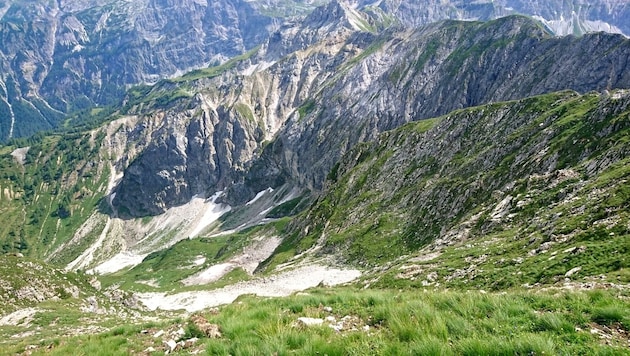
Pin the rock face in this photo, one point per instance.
(419, 74)
(266, 123)
(190, 152)
(60, 57)
(562, 17)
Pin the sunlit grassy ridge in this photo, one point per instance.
(550, 159)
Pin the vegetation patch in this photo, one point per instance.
(345, 321)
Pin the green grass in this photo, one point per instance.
(287, 208)
(168, 267)
(398, 193)
(400, 322)
(53, 193)
(168, 91)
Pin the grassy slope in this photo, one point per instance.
(558, 157)
(45, 200)
(59, 304)
(390, 322)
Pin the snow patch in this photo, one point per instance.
(248, 260)
(199, 261)
(264, 212)
(86, 258)
(212, 212)
(259, 195)
(119, 261)
(280, 285)
(210, 274)
(129, 241)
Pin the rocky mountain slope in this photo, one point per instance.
(252, 132)
(371, 83)
(346, 147)
(562, 17)
(413, 75)
(529, 180)
(507, 196)
(58, 57)
(76, 57)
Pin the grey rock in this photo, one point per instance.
(290, 122)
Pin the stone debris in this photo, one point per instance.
(304, 321)
(174, 339)
(210, 330)
(501, 210)
(346, 323)
(171, 344)
(614, 334)
(21, 317)
(572, 271)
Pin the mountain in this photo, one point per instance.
(561, 17)
(58, 57)
(78, 57)
(524, 179)
(419, 74)
(253, 134)
(251, 124)
(454, 187)
(505, 197)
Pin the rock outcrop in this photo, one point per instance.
(263, 124)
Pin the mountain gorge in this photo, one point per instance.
(273, 147)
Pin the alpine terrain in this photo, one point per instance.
(314, 177)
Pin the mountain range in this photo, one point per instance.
(200, 151)
(67, 57)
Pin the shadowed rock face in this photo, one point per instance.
(189, 152)
(291, 122)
